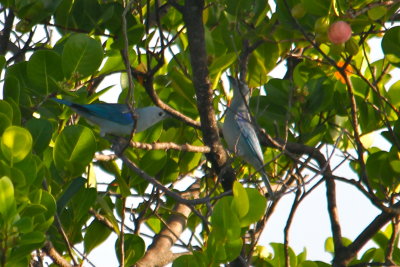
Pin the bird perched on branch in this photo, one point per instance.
(239, 131)
(117, 118)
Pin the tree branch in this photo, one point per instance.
(6, 31)
(159, 252)
(325, 169)
(157, 146)
(148, 85)
(170, 145)
(345, 254)
(193, 17)
(55, 256)
(367, 234)
(176, 196)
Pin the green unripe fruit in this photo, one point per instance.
(298, 11)
(321, 25)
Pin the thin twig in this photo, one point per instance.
(289, 223)
(122, 235)
(125, 55)
(172, 194)
(392, 242)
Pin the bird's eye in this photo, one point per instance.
(160, 113)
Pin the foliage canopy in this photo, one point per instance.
(174, 54)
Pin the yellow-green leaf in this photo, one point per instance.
(16, 143)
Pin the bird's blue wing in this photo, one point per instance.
(243, 121)
(62, 101)
(118, 113)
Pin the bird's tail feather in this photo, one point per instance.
(265, 179)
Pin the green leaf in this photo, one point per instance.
(42, 131)
(135, 34)
(154, 223)
(2, 62)
(47, 200)
(308, 264)
(8, 206)
(16, 143)
(183, 86)
(329, 246)
(122, 185)
(378, 254)
(19, 71)
(148, 160)
(12, 88)
(233, 249)
(81, 56)
(279, 256)
(225, 222)
(6, 109)
(395, 164)
(18, 179)
(35, 10)
(85, 15)
(74, 149)
(381, 239)
(258, 206)
(322, 264)
(219, 64)
(115, 62)
(4, 122)
(69, 193)
(320, 95)
(96, 233)
(170, 172)
(28, 168)
(189, 160)
(20, 254)
(197, 259)
(45, 72)
(379, 170)
(223, 250)
(377, 12)
(16, 119)
(24, 224)
(82, 202)
(302, 256)
(390, 45)
(32, 238)
(319, 8)
(240, 202)
(234, 7)
(134, 248)
(261, 62)
(369, 255)
(33, 210)
(91, 177)
(394, 94)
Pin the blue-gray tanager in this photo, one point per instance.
(117, 118)
(239, 132)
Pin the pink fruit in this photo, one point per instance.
(339, 32)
